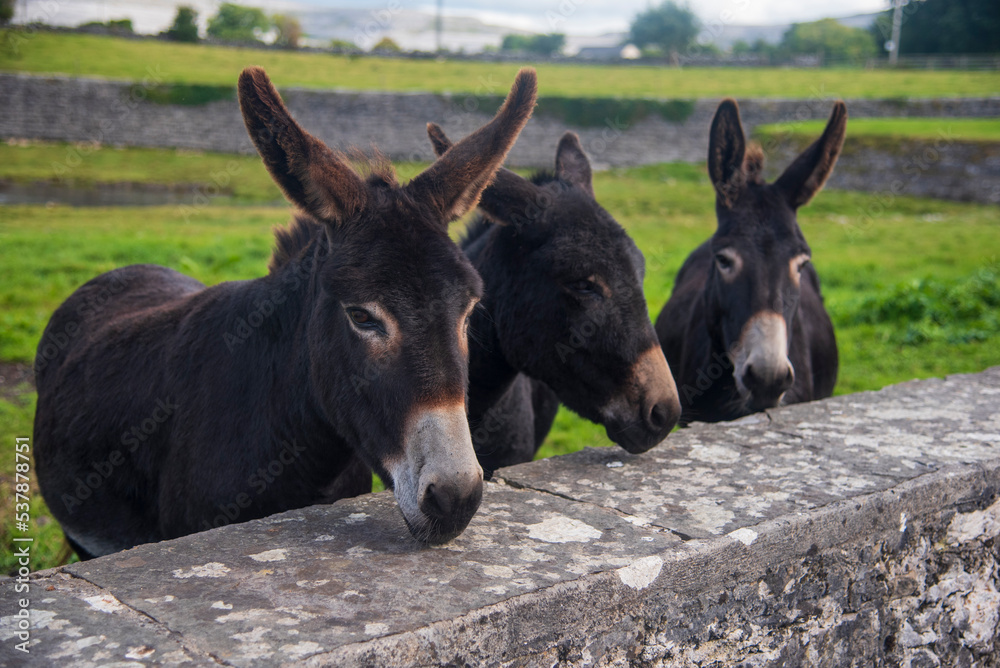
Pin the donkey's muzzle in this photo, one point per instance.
(654, 393)
(662, 417)
(449, 506)
(654, 425)
(767, 384)
(761, 366)
(439, 483)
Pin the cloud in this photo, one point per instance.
(615, 15)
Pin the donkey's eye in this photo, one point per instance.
(729, 264)
(584, 287)
(724, 261)
(363, 319)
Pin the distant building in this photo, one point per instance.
(628, 52)
(631, 52)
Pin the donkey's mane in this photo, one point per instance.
(543, 176)
(290, 239)
(753, 163)
(375, 166)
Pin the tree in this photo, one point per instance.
(944, 26)
(121, 26)
(668, 28)
(831, 39)
(741, 48)
(289, 31)
(709, 49)
(543, 45)
(343, 45)
(114, 26)
(235, 23)
(185, 27)
(387, 44)
(6, 11)
(760, 47)
(514, 43)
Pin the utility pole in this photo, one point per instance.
(897, 24)
(438, 24)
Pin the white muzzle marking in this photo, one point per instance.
(763, 346)
(437, 448)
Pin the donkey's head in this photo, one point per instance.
(565, 294)
(392, 294)
(759, 251)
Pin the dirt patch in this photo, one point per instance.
(13, 377)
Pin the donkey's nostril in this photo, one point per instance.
(789, 377)
(448, 505)
(766, 382)
(658, 416)
(437, 501)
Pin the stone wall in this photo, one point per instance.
(860, 530)
(118, 113)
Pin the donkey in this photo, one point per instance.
(173, 403)
(563, 318)
(745, 326)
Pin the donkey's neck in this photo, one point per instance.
(278, 344)
(706, 381)
(490, 373)
(477, 236)
(250, 341)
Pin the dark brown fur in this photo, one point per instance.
(166, 407)
(564, 318)
(706, 316)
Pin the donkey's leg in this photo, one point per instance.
(545, 405)
(107, 526)
(80, 552)
(354, 480)
(505, 434)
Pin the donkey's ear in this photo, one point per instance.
(572, 164)
(512, 200)
(508, 200)
(806, 176)
(453, 184)
(312, 176)
(439, 140)
(726, 148)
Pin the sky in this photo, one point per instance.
(568, 16)
(595, 16)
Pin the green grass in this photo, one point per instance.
(980, 129)
(49, 252)
(930, 310)
(242, 177)
(17, 414)
(891, 282)
(165, 62)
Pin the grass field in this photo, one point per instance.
(82, 165)
(913, 292)
(980, 129)
(165, 62)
